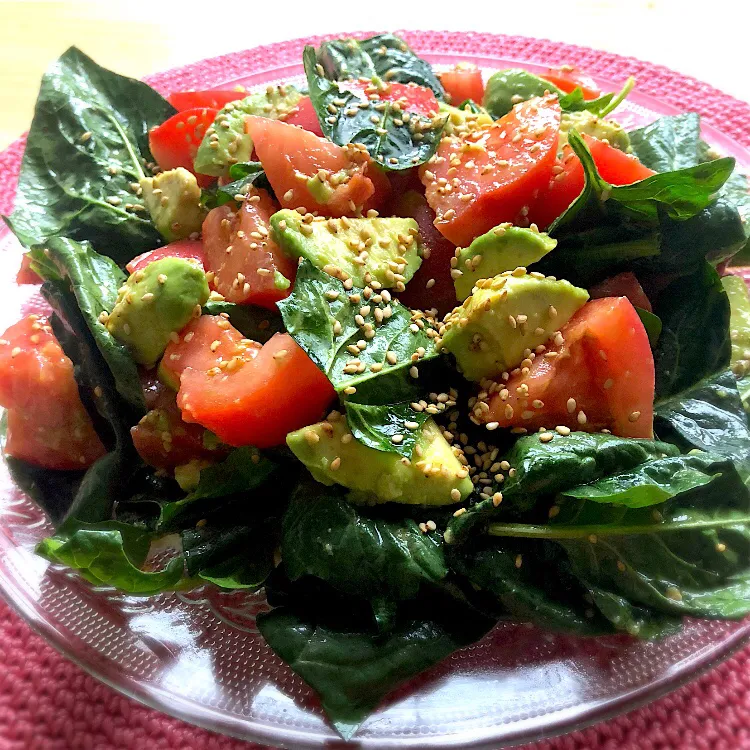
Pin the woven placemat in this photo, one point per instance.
(49, 703)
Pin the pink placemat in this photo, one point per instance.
(47, 702)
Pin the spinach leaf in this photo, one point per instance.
(601, 106)
(252, 322)
(669, 143)
(538, 470)
(739, 324)
(87, 144)
(707, 415)
(99, 555)
(325, 327)
(385, 56)
(375, 425)
(243, 176)
(652, 324)
(94, 280)
(694, 341)
(380, 560)
(395, 141)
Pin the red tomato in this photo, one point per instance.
(47, 423)
(25, 275)
(162, 439)
(259, 401)
(435, 270)
(602, 377)
(204, 343)
(615, 166)
(186, 249)
(292, 156)
(175, 142)
(489, 175)
(623, 285)
(244, 265)
(463, 82)
(567, 78)
(410, 96)
(211, 98)
(303, 116)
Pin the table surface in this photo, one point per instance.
(138, 37)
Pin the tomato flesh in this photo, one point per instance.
(292, 157)
(175, 142)
(500, 167)
(210, 98)
(244, 260)
(435, 270)
(600, 377)
(47, 424)
(622, 285)
(261, 400)
(463, 82)
(568, 78)
(305, 117)
(25, 275)
(615, 166)
(409, 96)
(186, 249)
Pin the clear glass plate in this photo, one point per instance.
(198, 655)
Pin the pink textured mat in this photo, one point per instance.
(48, 702)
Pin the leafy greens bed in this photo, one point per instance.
(580, 465)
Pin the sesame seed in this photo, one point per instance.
(414, 372)
(621, 566)
(335, 464)
(397, 439)
(553, 511)
(546, 437)
(634, 416)
(571, 405)
(721, 547)
(497, 498)
(562, 430)
(673, 593)
(431, 525)
(492, 425)
(519, 560)
(581, 418)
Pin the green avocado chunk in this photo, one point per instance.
(460, 119)
(508, 87)
(386, 249)
(155, 302)
(739, 326)
(173, 200)
(587, 123)
(226, 141)
(378, 477)
(507, 316)
(503, 248)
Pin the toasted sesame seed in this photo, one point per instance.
(673, 593)
(335, 464)
(414, 372)
(634, 416)
(721, 547)
(546, 437)
(553, 511)
(497, 498)
(571, 405)
(581, 418)
(519, 560)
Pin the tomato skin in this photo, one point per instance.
(622, 285)
(208, 98)
(25, 275)
(186, 249)
(436, 261)
(515, 170)
(235, 272)
(175, 142)
(615, 166)
(604, 364)
(304, 116)
(286, 152)
(567, 78)
(258, 403)
(463, 82)
(47, 424)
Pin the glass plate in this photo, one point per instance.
(198, 655)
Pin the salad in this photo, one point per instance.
(411, 352)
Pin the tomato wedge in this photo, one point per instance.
(210, 98)
(600, 375)
(186, 249)
(257, 402)
(622, 285)
(409, 96)
(248, 267)
(308, 171)
(490, 174)
(462, 82)
(47, 424)
(304, 116)
(175, 142)
(25, 275)
(615, 166)
(568, 78)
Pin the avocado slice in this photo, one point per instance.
(461, 119)
(503, 248)
(173, 200)
(506, 316)
(388, 249)
(587, 123)
(155, 302)
(226, 141)
(739, 326)
(379, 477)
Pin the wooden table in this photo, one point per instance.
(705, 40)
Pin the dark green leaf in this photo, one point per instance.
(87, 143)
(694, 341)
(385, 56)
(601, 106)
(243, 176)
(394, 143)
(309, 316)
(652, 324)
(375, 425)
(252, 322)
(669, 143)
